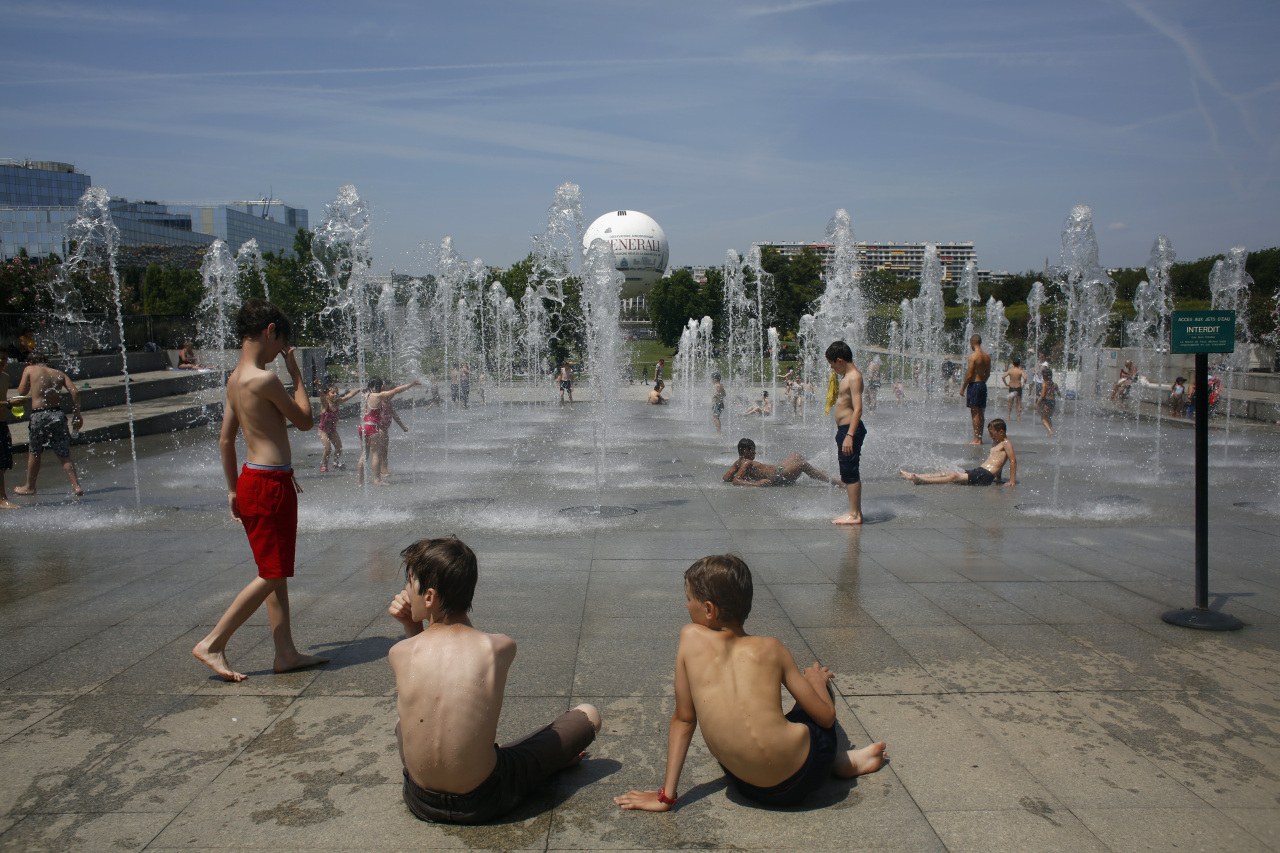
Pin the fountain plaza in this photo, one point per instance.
(1005, 641)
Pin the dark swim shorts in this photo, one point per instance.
(815, 770)
(6, 448)
(976, 395)
(48, 431)
(268, 505)
(849, 465)
(522, 766)
(980, 477)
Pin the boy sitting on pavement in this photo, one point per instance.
(450, 681)
(988, 473)
(728, 681)
(748, 472)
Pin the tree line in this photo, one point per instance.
(796, 283)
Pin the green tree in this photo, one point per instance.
(671, 303)
(797, 283)
(171, 291)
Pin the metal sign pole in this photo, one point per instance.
(1201, 616)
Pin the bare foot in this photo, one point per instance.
(217, 661)
(847, 518)
(977, 442)
(907, 475)
(296, 661)
(8, 504)
(859, 762)
(23, 490)
(381, 483)
(79, 492)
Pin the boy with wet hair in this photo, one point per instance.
(985, 475)
(727, 681)
(450, 681)
(746, 471)
(851, 432)
(263, 495)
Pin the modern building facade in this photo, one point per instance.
(39, 201)
(906, 260)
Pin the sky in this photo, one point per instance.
(728, 121)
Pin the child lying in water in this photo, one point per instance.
(748, 472)
(987, 473)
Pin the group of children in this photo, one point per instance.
(451, 677)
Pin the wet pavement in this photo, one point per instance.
(1006, 642)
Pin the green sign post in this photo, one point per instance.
(1203, 332)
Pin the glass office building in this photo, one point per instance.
(39, 200)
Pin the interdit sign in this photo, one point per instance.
(1203, 331)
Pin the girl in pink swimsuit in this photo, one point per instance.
(330, 440)
(373, 428)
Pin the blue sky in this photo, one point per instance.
(726, 121)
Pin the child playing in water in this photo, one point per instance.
(987, 473)
(763, 408)
(1048, 400)
(748, 472)
(727, 681)
(717, 400)
(330, 401)
(655, 396)
(373, 428)
(263, 495)
(1178, 397)
(897, 393)
(450, 682)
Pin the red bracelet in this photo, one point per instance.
(664, 799)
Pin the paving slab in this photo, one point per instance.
(1007, 643)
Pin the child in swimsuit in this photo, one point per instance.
(373, 427)
(985, 475)
(727, 682)
(330, 401)
(1048, 400)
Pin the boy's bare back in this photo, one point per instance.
(733, 680)
(450, 681)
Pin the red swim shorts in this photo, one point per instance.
(268, 504)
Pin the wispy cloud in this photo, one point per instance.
(787, 8)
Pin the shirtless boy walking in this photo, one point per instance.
(450, 682)
(974, 389)
(47, 429)
(564, 376)
(851, 432)
(1014, 379)
(727, 681)
(262, 496)
(988, 473)
(746, 471)
(717, 400)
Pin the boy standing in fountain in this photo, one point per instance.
(47, 429)
(450, 683)
(851, 432)
(1014, 378)
(263, 496)
(974, 389)
(717, 400)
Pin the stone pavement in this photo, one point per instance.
(1009, 649)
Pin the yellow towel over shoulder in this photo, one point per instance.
(833, 390)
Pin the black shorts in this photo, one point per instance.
(980, 477)
(975, 397)
(522, 766)
(849, 465)
(6, 448)
(815, 770)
